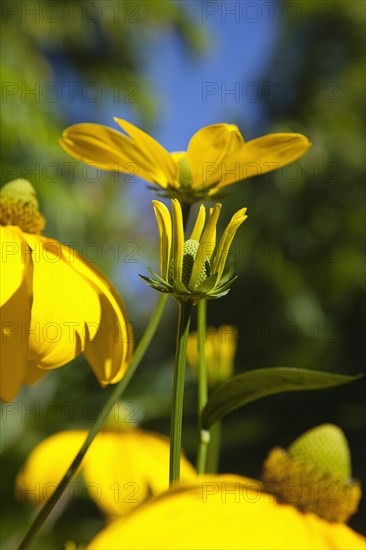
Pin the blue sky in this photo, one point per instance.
(195, 92)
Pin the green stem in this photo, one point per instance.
(213, 455)
(115, 395)
(202, 387)
(184, 319)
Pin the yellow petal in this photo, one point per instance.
(206, 246)
(33, 374)
(109, 350)
(178, 240)
(111, 473)
(63, 303)
(15, 317)
(128, 467)
(227, 349)
(199, 225)
(209, 146)
(108, 149)
(211, 250)
(258, 157)
(178, 155)
(223, 512)
(14, 261)
(226, 240)
(165, 233)
(154, 459)
(46, 466)
(74, 309)
(152, 151)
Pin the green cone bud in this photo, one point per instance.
(324, 447)
(314, 474)
(19, 206)
(189, 255)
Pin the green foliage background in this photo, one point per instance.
(299, 299)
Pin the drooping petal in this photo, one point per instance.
(223, 512)
(15, 313)
(129, 466)
(206, 246)
(208, 147)
(63, 303)
(258, 157)
(165, 233)
(226, 240)
(109, 351)
(108, 149)
(178, 240)
(152, 151)
(199, 225)
(33, 374)
(46, 466)
(14, 261)
(75, 309)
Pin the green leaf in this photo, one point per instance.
(208, 284)
(255, 384)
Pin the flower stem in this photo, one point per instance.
(202, 387)
(102, 417)
(213, 454)
(184, 319)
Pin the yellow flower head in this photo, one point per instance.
(315, 466)
(54, 304)
(229, 512)
(220, 347)
(192, 270)
(122, 469)
(216, 157)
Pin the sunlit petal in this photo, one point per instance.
(109, 350)
(258, 157)
(209, 146)
(199, 225)
(65, 309)
(15, 324)
(226, 240)
(178, 239)
(153, 152)
(206, 246)
(223, 512)
(108, 149)
(165, 233)
(14, 258)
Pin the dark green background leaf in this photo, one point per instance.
(255, 384)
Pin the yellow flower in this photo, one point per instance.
(192, 270)
(220, 348)
(54, 304)
(217, 156)
(319, 463)
(121, 468)
(224, 512)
